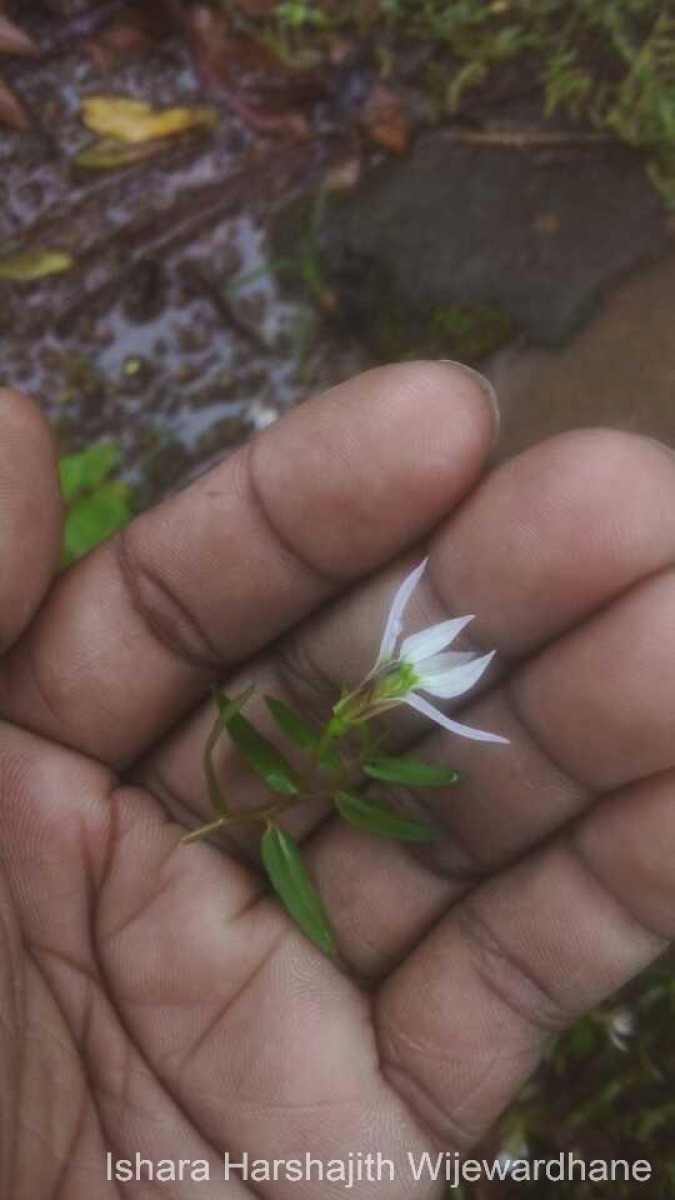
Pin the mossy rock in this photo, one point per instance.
(373, 307)
(455, 249)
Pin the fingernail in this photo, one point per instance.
(664, 447)
(486, 388)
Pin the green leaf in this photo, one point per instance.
(372, 818)
(295, 728)
(36, 265)
(86, 471)
(227, 710)
(107, 154)
(292, 883)
(582, 1038)
(404, 770)
(262, 756)
(93, 518)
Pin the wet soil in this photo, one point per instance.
(618, 371)
(171, 335)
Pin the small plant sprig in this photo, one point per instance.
(347, 750)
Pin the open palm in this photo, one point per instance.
(154, 997)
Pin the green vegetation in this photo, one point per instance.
(97, 504)
(395, 330)
(609, 63)
(605, 1089)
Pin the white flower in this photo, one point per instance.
(423, 663)
(621, 1028)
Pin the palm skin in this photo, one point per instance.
(154, 998)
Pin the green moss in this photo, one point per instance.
(610, 63)
(395, 329)
(472, 331)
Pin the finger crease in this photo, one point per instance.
(508, 977)
(582, 859)
(162, 612)
(326, 579)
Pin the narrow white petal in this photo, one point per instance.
(456, 681)
(429, 641)
(434, 714)
(394, 623)
(440, 663)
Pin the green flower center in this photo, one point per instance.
(396, 680)
(393, 682)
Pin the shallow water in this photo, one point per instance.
(168, 357)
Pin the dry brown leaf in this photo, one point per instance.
(133, 30)
(267, 93)
(35, 265)
(14, 41)
(384, 119)
(12, 111)
(133, 121)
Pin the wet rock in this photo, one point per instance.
(618, 371)
(453, 249)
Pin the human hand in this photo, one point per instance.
(155, 998)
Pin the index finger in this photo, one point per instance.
(133, 636)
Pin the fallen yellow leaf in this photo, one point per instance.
(107, 153)
(36, 265)
(133, 121)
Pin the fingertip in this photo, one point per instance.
(444, 393)
(30, 532)
(478, 386)
(385, 456)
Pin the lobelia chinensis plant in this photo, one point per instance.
(346, 750)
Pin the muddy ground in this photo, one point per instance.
(528, 248)
(147, 341)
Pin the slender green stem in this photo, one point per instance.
(342, 778)
(215, 791)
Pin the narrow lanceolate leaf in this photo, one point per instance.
(404, 770)
(372, 818)
(292, 724)
(292, 883)
(133, 121)
(227, 710)
(36, 265)
(262, 756)
(299, 732)
(108, 153)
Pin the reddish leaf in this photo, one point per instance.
(12, 111)
(265, 92)
(385, 121)
(14, 41)
(133, 30)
